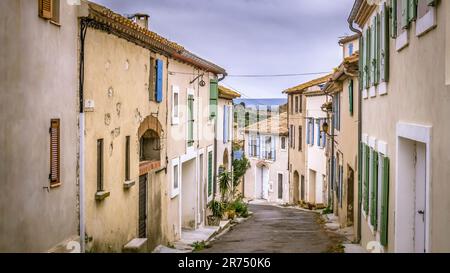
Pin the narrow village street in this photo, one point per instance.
(274, 229)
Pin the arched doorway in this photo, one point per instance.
(296, 187)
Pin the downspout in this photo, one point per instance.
(83, 31)
(358, 232)
(215, 138)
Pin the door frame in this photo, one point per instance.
(423, 134)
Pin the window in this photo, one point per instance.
(213, 97)
(210, 173)
(350, 49)
(226, 123)
(296, 104)
(175, 178)
(319, 135)
(426, 16)
(350, 97)
(55, 152)
(300, 106)
(310, 132)
(300, 138)
(159, 81)
(127, 158)
(268, 148)
(100, 185)
(283, 143)
(175, 105)
(190, 140)
(49, 9)
(291, 104)
(254, 146)
(280, 186)
(337, 111)
(293, 137)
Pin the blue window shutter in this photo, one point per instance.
(159, 81)
(312, 131)
(225, 124)
(308, 135)
(318, 133)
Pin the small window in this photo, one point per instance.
(175, 105)
(283, 143)
(296, 104)
(100, 185)
(190, 121)
(280, 186)
(175, 177)
(55, 151)
(49, 9)
(350, 49)
(300, 138)
(127, 158)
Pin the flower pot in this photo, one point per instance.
(213, 221)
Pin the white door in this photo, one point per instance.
(265, 182)
(420, 198)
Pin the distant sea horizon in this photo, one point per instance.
(261, 102)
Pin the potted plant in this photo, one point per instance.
(217, 210)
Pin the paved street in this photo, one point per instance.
(276, 230)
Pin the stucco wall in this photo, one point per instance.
(116, 79)
(38, 82)
(316, 155)
(417, 94)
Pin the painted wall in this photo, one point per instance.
(181, 75)
(38, 82)
(253, 175)
(116, 80)
(316, 155)
(416, 93)
(297, 158)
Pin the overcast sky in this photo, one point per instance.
(252, 36)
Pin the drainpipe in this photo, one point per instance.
(358, 233)
(83, 30)
(222, 77)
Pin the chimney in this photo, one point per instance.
(141, 19)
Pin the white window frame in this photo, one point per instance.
(189, 92)
(174, 192)
(175, 111)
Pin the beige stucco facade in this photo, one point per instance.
(116, 82)
(407, 120)
(38, 82)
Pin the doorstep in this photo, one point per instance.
(137, 245)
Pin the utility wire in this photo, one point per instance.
(259, 75)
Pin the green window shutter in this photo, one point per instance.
(373, 50)
(213, 97)
(404, 14)
(360, 153)
(361, 63)
(374, 195)
(190, 120)
(384, 44)
(367, 59)
(366, 179)
(412, 10)
(384, 203)
(350, 96)
(210, 173)
(377, 49)
(393, 17)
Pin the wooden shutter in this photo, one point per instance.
(361, 64)
(210, 173)
(213, 97)
(300, 138)
(384, 203)
(412, 10)
(373, 52)
(159, 81)
(360, 153)
(190, 120)
(393, 17)
(404, 14)
(366, 179)
(377, 49)
(55, 152)
(318, 132)
(374, 195)
(350, 97)
(384, 44)
(367, 59)
(46, 9)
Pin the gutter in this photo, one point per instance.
(350, 21)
